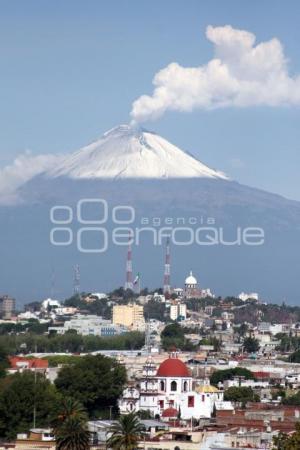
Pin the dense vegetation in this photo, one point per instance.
(293, 400)
(241, 395)
(20, 395)
(229, 374)
(173, 337)
(289, 344)
(251, 345)
(287, 442)
(27, 398)
(3, 361)
(295, 357)
(155, 310)
(96, 381)
(70, 342)
(99, 307)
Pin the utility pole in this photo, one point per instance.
(34, 400)
(110, 412)
(167, 271)
(129, 282)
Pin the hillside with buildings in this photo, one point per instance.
(200, 370)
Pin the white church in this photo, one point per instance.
(170, 392)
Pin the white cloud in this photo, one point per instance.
(240, 74)
(23, 168)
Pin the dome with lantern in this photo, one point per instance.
(191, 281)
(173, 367)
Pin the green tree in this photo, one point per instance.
(4, 364)
(126, 433)
(96, 381)
(173, 336)
(241, 394)
(295, 357)
(154, 310)
(242, 330)
(70, 426)
(72, 435)
(228, 374)
(251, 345)
(68, 407)
(292, 400)
(25, 398)
(285, 442)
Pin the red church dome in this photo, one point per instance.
(172, 367)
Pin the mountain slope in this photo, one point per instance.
(128, 152)
(159, 181)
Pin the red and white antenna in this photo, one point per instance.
(167, 272)
(76, 282)
(129, 282)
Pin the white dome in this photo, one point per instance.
(191, 279)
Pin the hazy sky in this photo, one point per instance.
(70, 70)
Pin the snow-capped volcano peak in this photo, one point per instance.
(130, 152)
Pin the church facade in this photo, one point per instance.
(170, 392)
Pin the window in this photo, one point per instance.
(162, 386)
(191, 401)
(173, 386)
(161, 404)
(185, 386)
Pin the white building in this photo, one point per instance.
(192, 290)
(179, 292)
(252, 295)
(65, 311)
(89, 325)
(170, 391)
(178, 311)
(50, 303)
(190, 286)
(28, 315)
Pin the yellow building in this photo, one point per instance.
(131, 316)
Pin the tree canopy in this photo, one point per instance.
(173, 336)
(3, 361)
(95, 381)
(241, 394)
(286, 442)
(251, 345)
(228, 374)
(20, 395)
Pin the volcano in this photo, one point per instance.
(165, 186)
(130, 152)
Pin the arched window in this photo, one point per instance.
(162, 386)
(185, 386)
(173, 386)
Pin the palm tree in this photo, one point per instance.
(69, 407)
(125, 433)
(72, 435)
(70, 426)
